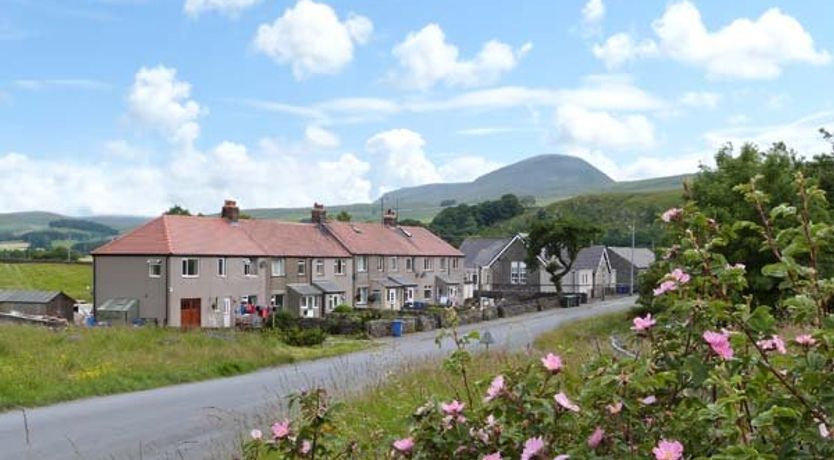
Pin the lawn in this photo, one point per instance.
(373, 416)
(74, 279)
(39, 366)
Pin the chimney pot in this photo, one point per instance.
(319, 214)
(389, 219)
(230, 211)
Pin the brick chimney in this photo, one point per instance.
(318, 215)
(230, 211)
(389, 219)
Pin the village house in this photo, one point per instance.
(189, 271)
(591, 274)
(498, 265)
(627, 261)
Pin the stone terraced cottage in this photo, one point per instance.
(189, 271)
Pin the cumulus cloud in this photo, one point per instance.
(160, 101)
(743, 49)
(579, 126)
(704, 99)
(426, 58)
(321, 137)
(801, 134)
(312, 39)
(592, 14)
(467, 168)
(621, 48)
(227, 7)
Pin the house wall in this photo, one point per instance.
(373, 277)
(128, 277)
(501, 269)
(212, 289)
(278, 284)
(343, 281)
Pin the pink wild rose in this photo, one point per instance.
(493, 456)
(281, 430)
(666, 286)
(805, 340)
(649, 400)
(720, 343)
(643, 324)
(256, 435)
(404, 445)
(563, 400)
(453, 408)
(306, 447)
(562, 457)
(773, 343)
(596, 437)
(680, 276)
(552, 363)
(495, 388)
(532, 448)
(668, 450)
(671, 214)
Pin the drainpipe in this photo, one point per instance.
(167, 289)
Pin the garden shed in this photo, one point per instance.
(48, 303)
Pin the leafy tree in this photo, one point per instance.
(343, 216)
(178, 210)
(455, 223)
(528, 201)
(447, 203)
(411, 223)
(560, 241)
(84, 225)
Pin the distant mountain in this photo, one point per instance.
(22, 222)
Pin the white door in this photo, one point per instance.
(332, 302)
(392, 298)
(227, 312)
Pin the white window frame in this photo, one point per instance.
(391, 297)
(184, 263)
(361, 264)
(308, 303)
(340, 267)
(301, 268)
(428, 292)
(428, 264)
(319, 267)
(363, 299)
(380, 263)
(331, 302)
(455, 263)
(282, 267)
(249, 268)
(221, 267)
(392, 263)
(518, 272)
(154, 263)
(275, 304)
(409, 294)
(409, 264)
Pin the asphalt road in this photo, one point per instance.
(207, 419)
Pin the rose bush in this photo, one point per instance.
(714, 374)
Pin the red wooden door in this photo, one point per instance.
(190, 312)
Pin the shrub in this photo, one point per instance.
(299, 337)
(282, 320)
(714, 375)
(343, 309)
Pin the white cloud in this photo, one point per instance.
(76, 84)
(466, 168)
(311, 38)
(621, 48)
(579, 126)
(801, 134)
(644, 166)
(426, 58)
(227, 7)
(744, 49)
(120, 149)
(592, 14)
(321, 137)
(704, 99)
(160, 101)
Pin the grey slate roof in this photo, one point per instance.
(328, 286)
(445, 279)
(305, 289)
(28, 296)
(402, 281)
(643, 257)
(588, 258)
(480, 251)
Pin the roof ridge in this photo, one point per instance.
(166, 233)
(119, 237)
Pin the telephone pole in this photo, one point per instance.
(631, 285)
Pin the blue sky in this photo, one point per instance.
(128, 106)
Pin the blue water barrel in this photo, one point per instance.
(397, 327)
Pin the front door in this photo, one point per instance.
(190, 313)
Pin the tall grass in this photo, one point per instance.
(372, 416)
(74, 279)
(39, 366)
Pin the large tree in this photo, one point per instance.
(177, 210)
(558, 242)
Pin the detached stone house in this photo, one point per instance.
(497, 265)
(621, 261)
(196, 271)
(591, 274)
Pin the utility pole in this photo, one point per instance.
(631, 285)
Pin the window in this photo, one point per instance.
(155, 268)
(332, 302)
(362, 264)
(374, 296)
(221, 266)
(427, 264)
(427, 290)
(278, 267)
(278, 301)
(249, 268)
(455, 263)
(392, 298)
(380, 263)
(518, 272)
(443, 263)
(339, 266)
(453, 291)
(302, 267)
(308, 305)
(392, 264)
(409, 264)
(190, 268)
(362, 294)
(319, 267)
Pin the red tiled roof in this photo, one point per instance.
(375, 238)
(293, 239)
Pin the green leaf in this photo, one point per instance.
(761, 320)
(776, 270)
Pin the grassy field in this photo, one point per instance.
(39, 366)
(73, 279)
(385, 408)
(13, 245)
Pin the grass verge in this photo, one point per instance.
(73, 279)
(385, 408)
(39, 366)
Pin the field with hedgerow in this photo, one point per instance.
(730, 354)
